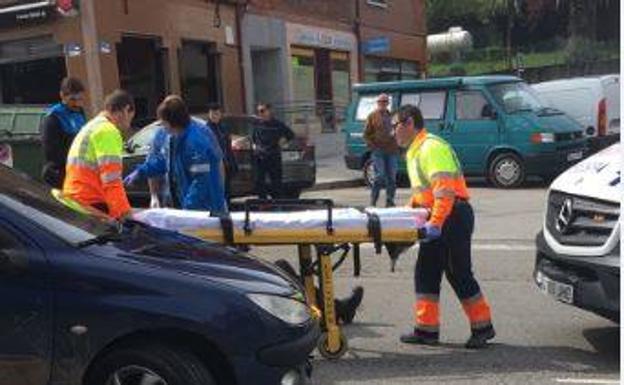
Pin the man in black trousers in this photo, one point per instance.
(267, 137)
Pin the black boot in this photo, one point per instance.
(346, 308)
(419, 337)
(479, 339)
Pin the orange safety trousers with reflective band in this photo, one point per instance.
(435, 176)
(94, 167)
(427, 314)
(478, 312)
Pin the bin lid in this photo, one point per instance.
(18, 122)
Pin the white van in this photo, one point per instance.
(592, 101)
(578, 249)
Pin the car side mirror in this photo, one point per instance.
(13, 261)
(489, 112)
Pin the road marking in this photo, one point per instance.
(585, 381)
(482, 247)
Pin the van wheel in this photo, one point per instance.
(154, 365)
(369, 172)
(506, 170)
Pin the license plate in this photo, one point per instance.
(6, 155)
(560, 291)
(575, 156)
(291, 156)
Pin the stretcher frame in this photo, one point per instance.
(332, 343)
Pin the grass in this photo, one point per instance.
(529, 60)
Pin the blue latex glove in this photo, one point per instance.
(131, 178)
(432, 232)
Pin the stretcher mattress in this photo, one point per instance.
(294, 227)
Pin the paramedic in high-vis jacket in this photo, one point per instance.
(438, 184)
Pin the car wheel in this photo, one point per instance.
(369, 172)
(153, 365)
(506, 170)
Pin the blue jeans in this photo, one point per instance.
(386, 168)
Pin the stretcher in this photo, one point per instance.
(314, 223)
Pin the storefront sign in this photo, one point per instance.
(321, 38)
(376, 45)
(14, 12)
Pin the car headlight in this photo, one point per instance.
(288, 310)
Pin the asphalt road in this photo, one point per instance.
(539, 341)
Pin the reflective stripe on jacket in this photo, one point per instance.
(435, 176)
(94, 167)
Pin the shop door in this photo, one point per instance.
(142, 62)
(323, 86)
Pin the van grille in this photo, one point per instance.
(577, 221)
(566, 136)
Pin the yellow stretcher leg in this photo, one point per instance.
(332, 344)
(305, 262)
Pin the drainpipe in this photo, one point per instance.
(357, 26)
(240, 13)
(92, 54)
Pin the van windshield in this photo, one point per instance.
(516, 97)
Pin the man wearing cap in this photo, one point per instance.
(379, 136)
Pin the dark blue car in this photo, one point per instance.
(86, 301)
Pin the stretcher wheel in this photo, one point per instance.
(324, 349)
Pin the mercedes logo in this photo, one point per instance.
(565, 217)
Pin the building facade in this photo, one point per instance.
(299, 52)
(149, 47)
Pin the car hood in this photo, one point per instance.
(186, 256)
(596, 177)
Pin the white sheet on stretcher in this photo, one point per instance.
(397, 218)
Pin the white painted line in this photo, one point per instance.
(481, 247)
(586, 381)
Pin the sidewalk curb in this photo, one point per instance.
(337, 184)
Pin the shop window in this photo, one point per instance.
(470, 105)
(302, 60)
(387, 69)
(431, 104)
(368, 104)
(199, 75)
(341, 80)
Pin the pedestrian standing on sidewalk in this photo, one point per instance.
(268, 136)
(59, 127)
(224, 138)
(379, 136)
(438, 183)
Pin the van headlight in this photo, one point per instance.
(289, 310)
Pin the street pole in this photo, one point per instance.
(358, 38)
(92, 54)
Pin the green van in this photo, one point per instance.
(497, 125)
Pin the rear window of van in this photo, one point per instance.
(368, 104)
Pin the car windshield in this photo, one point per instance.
(517, 96)
(47, 208)
(145, 136)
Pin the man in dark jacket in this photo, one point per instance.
(61, 124)
(267, 137)
(225, 142)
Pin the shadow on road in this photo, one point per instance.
(453, 360)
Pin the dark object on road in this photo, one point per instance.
(394, 252)
(298, 161)
(89, 301)
(346, 308)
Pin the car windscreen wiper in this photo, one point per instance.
(102, 239)
(549, 111)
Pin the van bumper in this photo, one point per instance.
(595, 280)
(354, 162)
(553, 163)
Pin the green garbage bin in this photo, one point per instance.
(20, 138)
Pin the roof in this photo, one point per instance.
(448, 82)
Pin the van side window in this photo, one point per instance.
(470, 105)
(368, 104)
(431, 104)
